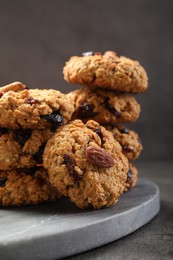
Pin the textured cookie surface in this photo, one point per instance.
(20, 148)
(86, 164)
(132, 177)
(106, 71)
(103, 106)
(34, 108)
(18, 188)
(129, 141)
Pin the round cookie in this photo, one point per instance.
(22, 148)
(104, 106)
(106, 71)
(132, 177)
(18, 188)
(129, 141)
(86, 164)
(34, 108)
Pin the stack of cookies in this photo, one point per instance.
(107, 96)
(54, 145)
(28, 118)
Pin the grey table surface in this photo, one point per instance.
(155, 239)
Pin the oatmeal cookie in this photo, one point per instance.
(21, 187)
(104, 106)
(22, 148)
(34, 108)
(106, 71)
(129, 141)
(132, 177)
(86, 164)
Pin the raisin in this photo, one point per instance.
(3, 131)
(32, 101)
(29, 171)
(54, 118)
(123, 130)
(99, 133)
(111, 109)
(126, 148)
(129, 175)
(1, 94)
(70, 164)
(40, 181)
(38, 156)
(3, 181)
(85, 110)
(22, 135)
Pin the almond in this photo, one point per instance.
(99, 157)
(15, 86)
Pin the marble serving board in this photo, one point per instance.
(56, 230)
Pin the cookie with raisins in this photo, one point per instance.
(104, 106)
(34, 108)
(22, 148)
(129, 141)
(132, 177)
(86, 164)
(20, 187)
(106, 71)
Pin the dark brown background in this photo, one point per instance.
(38, 36)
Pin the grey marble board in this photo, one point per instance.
(57, 230)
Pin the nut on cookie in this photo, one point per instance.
(86, 164)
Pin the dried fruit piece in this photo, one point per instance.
(129, 175)
(123, 130)
(1, 94)
(85, 110)
(70, 164)
(99, 132)
(3, 181)
(32, 101)
(127, 148)
(54, 118)
(29, 171)
(3, 131)
(38, 156)
(99, 157)
(111, 109)
(22, 135)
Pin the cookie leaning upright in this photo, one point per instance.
(22, 148)
(86, 164)
(34, 108)
(19, 188)
(106, 71)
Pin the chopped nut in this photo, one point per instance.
(15, 86)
